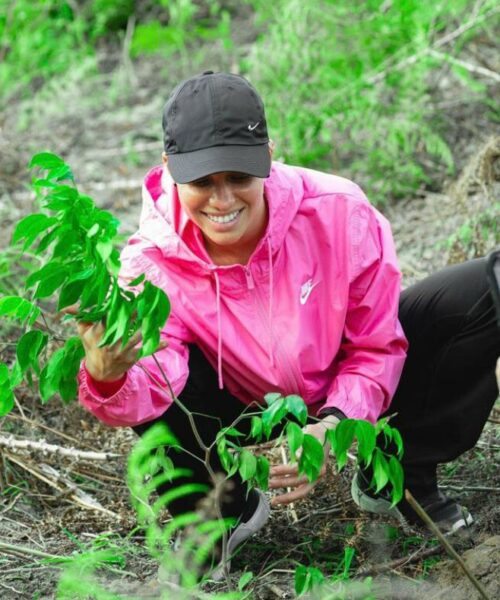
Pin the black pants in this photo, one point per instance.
(445, 394)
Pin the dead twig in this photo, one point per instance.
(291, 506)
(465, 65)
(446, 544)
(31, 446)
(43, 426)
(62, 484)
(469, 488)
(419, 554)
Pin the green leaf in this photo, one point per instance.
(70, 293)
(234, 432)
(50, 376)
(312, 457)
(28, 349)
(301, 580)
(137, 281)
(244, 580)
(30, 227)
(104, 249)
(225, 458)
(380, 470)
(150, 336)
(306, 578)
(48, 285)
(262, 473)
(93, 230)
(398, 440)
(4, 374)
(46, 160)
(272, 397)
(342, 440)
(56, 167)
(6, 400)
(247, 465)
(10, 304)
(295, 436)
(256, 429)
(349, 553)
(272, 415)
(16, 375)
(18, 308)
(366, 435)
(396, 477)
(82, 275)
(296, 405)
(60, 373)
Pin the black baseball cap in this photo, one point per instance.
(215, 122)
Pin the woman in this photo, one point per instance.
(285, 279)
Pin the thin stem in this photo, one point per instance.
(446, 544)
(208, 466)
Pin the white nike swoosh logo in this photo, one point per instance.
(306, 293)
(250, 128)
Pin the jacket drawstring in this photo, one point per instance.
(219, 323)
(271, 291)
(219, 332)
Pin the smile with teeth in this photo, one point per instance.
(224, 219)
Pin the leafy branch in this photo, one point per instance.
(80, 261)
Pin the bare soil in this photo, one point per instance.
(108, 129)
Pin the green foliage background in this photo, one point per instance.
(348, 84)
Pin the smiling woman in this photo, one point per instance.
(284, 279)
(230, 210)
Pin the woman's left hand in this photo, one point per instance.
(287, 476)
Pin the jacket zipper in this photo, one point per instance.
(283, 357)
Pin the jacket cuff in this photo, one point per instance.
(331, 410)
(104, 389)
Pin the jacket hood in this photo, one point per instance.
(164, 223)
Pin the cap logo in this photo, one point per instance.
(252, 127)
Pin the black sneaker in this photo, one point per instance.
(249, 524)
(448, 515)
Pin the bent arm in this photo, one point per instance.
(373, 350)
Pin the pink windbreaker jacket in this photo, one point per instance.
(314, 312)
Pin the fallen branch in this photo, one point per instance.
(63, 485)
(20, 550)
(42, 446)
(469, 488)
(465, 65)
(419, 554)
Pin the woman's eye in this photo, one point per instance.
(201, 183)
(241, 178)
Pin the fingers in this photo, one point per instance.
(297, 494)
(281, 482)
(70, 310)
(133, 341)
(290, 469)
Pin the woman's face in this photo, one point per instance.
(228, 207)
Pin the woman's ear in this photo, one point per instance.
(164, 158)
(271, 146)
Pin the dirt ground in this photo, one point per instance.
(52, 506)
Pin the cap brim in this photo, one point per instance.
(189, 166)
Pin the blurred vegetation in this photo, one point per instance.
(348, 84)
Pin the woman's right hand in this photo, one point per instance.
(107, 363)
